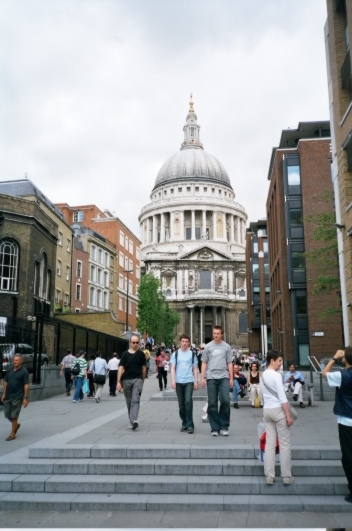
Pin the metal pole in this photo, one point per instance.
(34, 379)
(128, 271)
(40, 347)
(58, 344)
(321, 387)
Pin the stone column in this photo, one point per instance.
(182, 227)
(201, 324)
(204, 223)
(148, 231)
(155, 235)
(162, 227)
(193, 225)
(171, 226)
(214, 226)
(224, 227)
(232, 229)
(223, 321)
(214, 316)
(238, 230)
(230, 281)
(179, 282)
(191, 321)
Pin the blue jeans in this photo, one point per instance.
(219, 389)
(78, 394)
(236, 390)
(184, 393)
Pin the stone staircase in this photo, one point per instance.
(183, 477)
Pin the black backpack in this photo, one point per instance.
(76, 369)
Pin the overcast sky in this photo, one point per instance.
(94, 93)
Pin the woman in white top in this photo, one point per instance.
(277, 420)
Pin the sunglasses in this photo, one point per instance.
(134, 342)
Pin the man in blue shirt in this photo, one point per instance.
(184, 378)
(342, 380)
(294, 381)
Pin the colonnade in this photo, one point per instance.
(197, 320)
(172, 226)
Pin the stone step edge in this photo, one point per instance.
(322, 486)
(19, 501)
(186, 451)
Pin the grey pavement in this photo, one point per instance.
(58, 420)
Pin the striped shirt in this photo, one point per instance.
(68, 361)
(83, 365)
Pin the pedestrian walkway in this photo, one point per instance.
(58, 423)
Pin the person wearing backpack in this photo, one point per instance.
(184, 378)
(81, 366)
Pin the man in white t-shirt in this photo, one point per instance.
(184, 378)
(277, 420)
(99, 369)
(113, 366)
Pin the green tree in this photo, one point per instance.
(155, 317)
(325, 255)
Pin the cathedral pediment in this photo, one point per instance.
(206, 254)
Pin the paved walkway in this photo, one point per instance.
(58, 419)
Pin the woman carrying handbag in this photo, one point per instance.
(99, 368)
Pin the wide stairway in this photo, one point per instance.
(169, 477)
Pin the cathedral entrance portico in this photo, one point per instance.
(202, 318)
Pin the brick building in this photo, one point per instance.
(63, 267)
(127, 252)
(300, 181)
(28, 245)
(80, 277)
(338, 36)
(258, 287)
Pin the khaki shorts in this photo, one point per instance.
(12, 408)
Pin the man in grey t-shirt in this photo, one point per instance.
(217, 370)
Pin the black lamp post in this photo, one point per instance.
(128, 271)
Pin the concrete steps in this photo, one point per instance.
(163, 478)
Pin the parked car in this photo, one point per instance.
(8, 350)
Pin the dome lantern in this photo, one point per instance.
(191, 129)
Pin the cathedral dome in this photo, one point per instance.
(192, 162)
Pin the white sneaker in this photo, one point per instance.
(224, 432)
(204, 417)
(214, 434)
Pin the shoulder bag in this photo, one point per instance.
(274, 393)
(76, 369)
(99, 379)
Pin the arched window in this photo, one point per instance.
(243, 323)
(8, 265)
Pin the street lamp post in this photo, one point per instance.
(128, 271)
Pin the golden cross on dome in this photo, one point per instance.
(191, 103)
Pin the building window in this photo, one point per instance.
(79, 268)
(205, 189)
(126, 243)
(92, 252)
(67, 273)
(106, 259)
(8, 265)
(66, 299)
(171, 191)
(188, 188)
(92, 296)
(110, 297)
(213, 190)
(106, 303)
(122, 260)
(78, 215)
(77, 310)
(255, 247)
(220, 192)
(255, 270)
(180, 189)
(100, 256)
(293, 179)
(92, 273)
(188, 233)
(106, 279)
(58, 268)
(57, 296)
(137, 253)
(198, 234)
(78, 292)
(130, 286)
(197, 189)
(298, 260)
(120, 281)
(266, 270)
(122, 238)
(131, 246)
(296, 217)
(99, 279)
(99, 300)
(243, 323)
(301, 302)
(165, 192)
(42, 278)
(265, 247)
(130, 264)
(111, 261)
(205, 279)
(59, 241)
(125, 283)
(68, 246)
(111, 277)
(120, 304)
(137, 271)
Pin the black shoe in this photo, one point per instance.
(183, 428)
(241, 393)
(135, 425)
(348, 498)
(235, 405)
(295, 397)
(190, 430)
(252, 406)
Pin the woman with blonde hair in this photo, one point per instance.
(254, 382)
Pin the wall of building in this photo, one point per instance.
(98, 321)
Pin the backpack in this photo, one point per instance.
(76, 369)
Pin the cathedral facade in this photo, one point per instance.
(193, 240)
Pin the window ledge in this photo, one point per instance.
(9, 292)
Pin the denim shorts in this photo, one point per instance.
(12, 408)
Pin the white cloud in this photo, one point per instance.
(94, 94)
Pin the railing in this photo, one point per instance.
(181, 200)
